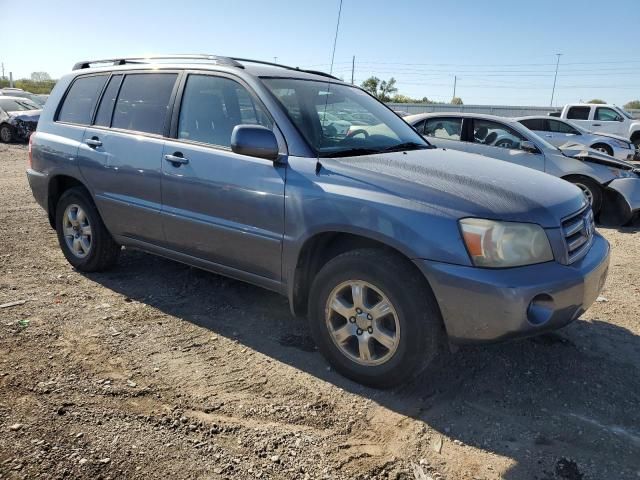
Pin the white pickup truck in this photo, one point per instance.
(600, 118)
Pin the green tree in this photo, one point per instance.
(456, 101)
(632, 105)
(381, 89)
(40, 77)
(597, 101)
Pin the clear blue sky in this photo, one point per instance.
(502, 51)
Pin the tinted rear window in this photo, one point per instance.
(536, 124)
(579, 113)
(103, 117)
(143, 102)
(81, 98)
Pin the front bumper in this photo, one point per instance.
(487, 305)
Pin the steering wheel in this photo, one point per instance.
(358, 132)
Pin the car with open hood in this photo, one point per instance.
(611, 186)
(390, 246)
(18, 118)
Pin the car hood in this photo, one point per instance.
(26, 115)
(610, 135)
(585, 154)
(458, 184)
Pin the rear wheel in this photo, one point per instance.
(604, 148)
(82, 236)
(374, 317)
(592, 191)
(6, 134)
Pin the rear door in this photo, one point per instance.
(219, 206)
(497, 140)
(542, 128)
(563, 133)
(607, 120)
(121, 153)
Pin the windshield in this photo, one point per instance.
(339, 120)
(17, 105)
(625, 113)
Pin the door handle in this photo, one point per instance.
(93, 142)
(176, 159)
(548, 136)
(597, 125)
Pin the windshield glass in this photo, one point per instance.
(625, 113)
(15, 105)
(339, 120)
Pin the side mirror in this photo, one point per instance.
(254, 141)
(529, 147)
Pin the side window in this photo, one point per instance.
(445, 128)
(607, 115)
(535, 124)
(143, 102)
(81, 98)
(561, 127)
(105, 110)
(420, 126)
(212, 106)
(578, 113)
(488, 132)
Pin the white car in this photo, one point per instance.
(602, 118)
(559, 132)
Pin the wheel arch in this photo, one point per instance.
(59, 184)
(321, 247)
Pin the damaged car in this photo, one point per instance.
(611, 186)
(18, 119)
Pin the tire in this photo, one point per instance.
(414, 318)
(6, 134)
(604, 148)
(92, 252)
(591, 188)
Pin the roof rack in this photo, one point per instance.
(297, 69)
(127, 60)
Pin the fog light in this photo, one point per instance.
(540, 309)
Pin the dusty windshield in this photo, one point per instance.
(17, 105)
(338, 120)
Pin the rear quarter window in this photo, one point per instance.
(578, 113)
(80, 100)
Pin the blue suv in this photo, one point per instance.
(300, 183)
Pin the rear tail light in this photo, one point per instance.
(30, 147)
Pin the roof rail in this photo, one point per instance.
(297, 69)
(126, 60)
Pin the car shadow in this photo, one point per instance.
(557, 406)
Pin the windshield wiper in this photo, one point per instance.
(351, 152)
(406, 146)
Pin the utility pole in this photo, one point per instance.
(11, 79)
(553, 91)
(353, 67)
(2, 71)
(455, 80)
(275, 59)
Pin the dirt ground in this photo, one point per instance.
(158, 370)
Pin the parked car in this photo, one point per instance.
(18, 118)
(598, 118)
(559, 132)
(612, 186)
(31, 96)
(387, 244)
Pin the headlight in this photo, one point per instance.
(505, 244)
(620, 143)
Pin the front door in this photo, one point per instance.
(220, 206)
(607, 120)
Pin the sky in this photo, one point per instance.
(501, 51)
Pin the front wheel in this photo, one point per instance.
(6, 134)
(591, 189)
(603, 148)
(374, 317)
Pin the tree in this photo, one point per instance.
(382, 90)
(456, 101)
(40, 76)
(633, 105)
(597, 101)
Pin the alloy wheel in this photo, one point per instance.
(76, 230)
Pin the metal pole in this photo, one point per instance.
(275, 59)
(553, 91)
(353, 67)
(455, 80)
(11, 79)
(2, 71)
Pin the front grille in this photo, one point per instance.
(578, 231)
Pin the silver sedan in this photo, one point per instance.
(612, 186)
